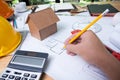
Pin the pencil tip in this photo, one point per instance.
(64, 47)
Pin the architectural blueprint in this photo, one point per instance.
(60, 65)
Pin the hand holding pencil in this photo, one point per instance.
(90, 48)
(88, 26)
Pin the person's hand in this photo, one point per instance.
(88, 46)
(91, 49)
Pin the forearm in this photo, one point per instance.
(111, 66)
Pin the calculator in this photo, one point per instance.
(25, 65)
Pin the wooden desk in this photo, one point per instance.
(5, 60)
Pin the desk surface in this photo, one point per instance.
(5, 60)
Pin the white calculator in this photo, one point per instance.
(25, 65)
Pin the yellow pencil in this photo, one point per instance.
(88, 26)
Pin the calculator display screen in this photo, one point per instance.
(28, 61)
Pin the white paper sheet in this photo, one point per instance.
(65, 67)
(61, 66)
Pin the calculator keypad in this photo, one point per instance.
(10, 74)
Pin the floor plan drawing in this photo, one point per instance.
(54, 45)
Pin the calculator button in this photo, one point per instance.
(33, 76)
(11, 77)
(18, 73)
(17, 78)
(2, 79)
(24, 78)
(5, 75)
(26, 74)
(7, 71)
(31, 79)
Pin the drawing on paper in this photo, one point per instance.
(80, 25)
(55, 46)
(94, 71)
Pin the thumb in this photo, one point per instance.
(72, 48)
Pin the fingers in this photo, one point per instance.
(78, 45)
(68, 39)
(79, 39)
(70, 53)
(71, 48)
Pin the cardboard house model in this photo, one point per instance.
(42, 23)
